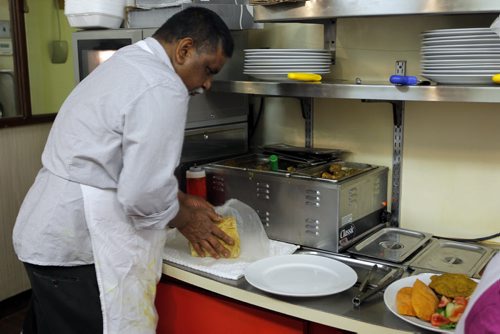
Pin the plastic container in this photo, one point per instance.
(95, 14)
(196, 182)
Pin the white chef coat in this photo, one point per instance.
(121, 128)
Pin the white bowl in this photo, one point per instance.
(115, 8)
(94, 20)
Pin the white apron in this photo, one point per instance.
(128, 264)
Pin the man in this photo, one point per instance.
(92, 227)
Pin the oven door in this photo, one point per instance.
(92, 47)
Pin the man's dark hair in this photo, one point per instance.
(204, 26)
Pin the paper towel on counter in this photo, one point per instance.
(177, 251)
(495, 26)
(254, 244)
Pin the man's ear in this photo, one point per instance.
(183, 50)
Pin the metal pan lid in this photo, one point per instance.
(451, 257)
(308, 153)
(391, 244)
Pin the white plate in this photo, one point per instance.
(291, 57)
(473, 55)
(300, 275)
(460, 79)
(427, 49)
(457, 31)
(285, 71)
(484, 67)
(462, 39)
(311, 64)
(489, 34)
(459, 51)
(286, 68)
(285, 50)
(390, 301)
(491, 61)
(489, 54)
(285, 54)
(287, 62)
(471, 42)
(473, 72)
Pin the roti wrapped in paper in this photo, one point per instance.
(228, 226)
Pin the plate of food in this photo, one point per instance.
(431, 301)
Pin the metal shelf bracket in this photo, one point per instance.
(307, 107)
(398, 108)
(330, 37)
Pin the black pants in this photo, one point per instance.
(65, 300)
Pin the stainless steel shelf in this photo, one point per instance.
(486, 94)
(323, 9)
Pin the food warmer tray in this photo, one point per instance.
(309, 154)
(259, 162)
(452, 257)
(391, 244)
(295, 167)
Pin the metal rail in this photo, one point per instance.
(486, 94)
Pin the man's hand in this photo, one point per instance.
(203, 233)
(197, 221)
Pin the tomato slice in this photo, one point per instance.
(457, 313)
(460, 300)
(439, 320)
(444, 301)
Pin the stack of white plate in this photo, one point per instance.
(94, 14)
(460, 56)
(275, 64)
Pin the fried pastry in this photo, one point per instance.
(452, 285)
(423, 300)
(403, 301)
(228, 226)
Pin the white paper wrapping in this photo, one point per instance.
(177, 251)
(254, 244)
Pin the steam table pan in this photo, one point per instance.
(347, 170)
(391, 244)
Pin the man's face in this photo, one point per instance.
(199, 68)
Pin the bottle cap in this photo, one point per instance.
(273, 162)
(195, 172)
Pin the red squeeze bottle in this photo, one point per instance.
(196, 182)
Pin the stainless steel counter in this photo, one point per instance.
(439, 93)
(336, 310)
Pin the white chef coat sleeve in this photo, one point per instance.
(153, 133)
